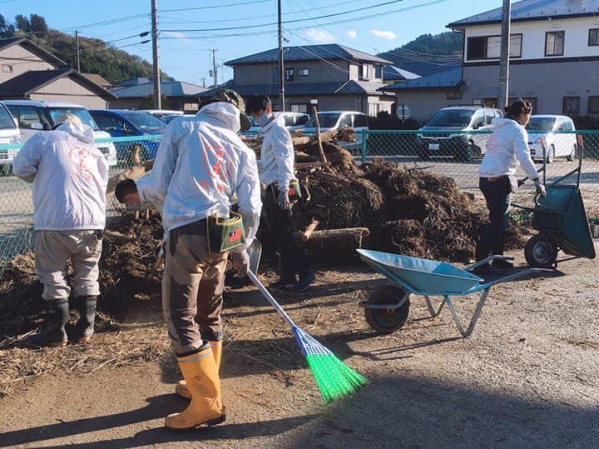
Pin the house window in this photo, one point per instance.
(571, 105)
(6, 68)
(288, 74)
(489, 47)
(364, 72)
(593, 105)
(303, 72)
(554, 43)
(454, 95)
(593, 37)
(301, 107)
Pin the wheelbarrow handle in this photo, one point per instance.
(514, 276)
(522, 181)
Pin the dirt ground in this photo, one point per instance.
(526, 377)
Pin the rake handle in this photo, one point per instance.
(271, 299)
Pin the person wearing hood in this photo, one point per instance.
(201, 166)
(277, 172)
(69, 176)
(507, 149)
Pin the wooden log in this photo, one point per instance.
(318, 137)
(117, 237)
(131, 173)
(337, 245)
(305, 236)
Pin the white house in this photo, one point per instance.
(554, 61)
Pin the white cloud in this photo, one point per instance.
(319, 36)
(390, 35)
(352, 33)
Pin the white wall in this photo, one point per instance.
(533, 36)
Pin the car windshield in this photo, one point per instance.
(57, 116)
(326, 120)
(451, 117)
(6, 121)
(540, 124)
(146, 122)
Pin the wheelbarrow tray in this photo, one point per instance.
(421, 276)
(562, 214)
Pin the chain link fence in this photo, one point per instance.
(16, 204)
(449, 153)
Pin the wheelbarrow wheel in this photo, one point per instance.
(387, 321)
(540, 252)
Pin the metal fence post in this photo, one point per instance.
(363, 146)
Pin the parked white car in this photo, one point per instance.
(549, 128)
(9, 136)
(161, 113)
(293, 122)
(34, 116)
(335, 120)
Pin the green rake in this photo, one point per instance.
(333, 377)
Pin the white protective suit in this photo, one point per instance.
(200, 165)
(277, 155)
(69, 176)
(507, 149)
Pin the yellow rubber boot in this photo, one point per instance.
(217, 350)
(199, 370)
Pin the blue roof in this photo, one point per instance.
(528, 10)
(449, 78)
(308, 53)
(167, 88)
(391, 72)
(343, 88)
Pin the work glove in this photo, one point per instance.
(283, 200)
(241, 262)
(540, 188)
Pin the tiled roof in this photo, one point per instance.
(98, 79)
(167, 88)
(308, 53)
(29, 82)
(528, 10)
(391, 72)
(449, 78)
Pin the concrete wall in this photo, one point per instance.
(19, 60)
(67, 89)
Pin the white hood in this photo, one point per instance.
(80, 131)
(222, 114)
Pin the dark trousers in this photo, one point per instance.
(293, 257)
(497, 194)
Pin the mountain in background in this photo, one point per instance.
(428, 54)
(95, 55)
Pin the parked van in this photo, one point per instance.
(547, 127)
(9, 135)
(335, 120)
(461, 145)
(35, 116)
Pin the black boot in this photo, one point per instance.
(286, 269)
(306, 275)
(84, 329)
(54, 333)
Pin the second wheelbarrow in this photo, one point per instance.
(389, 307)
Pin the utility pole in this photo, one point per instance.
(214, 72)
(155, 57)
(504, 61)
(77, 49)
(281, 59)
(203, 80)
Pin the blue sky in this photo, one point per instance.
(190, 29)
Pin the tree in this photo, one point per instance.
(22, 23)
(6, 29)
(38, 25)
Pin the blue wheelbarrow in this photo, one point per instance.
(561, 220)
(388, 308)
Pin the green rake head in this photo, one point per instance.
(333, 377)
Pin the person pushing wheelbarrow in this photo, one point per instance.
(507, 149)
